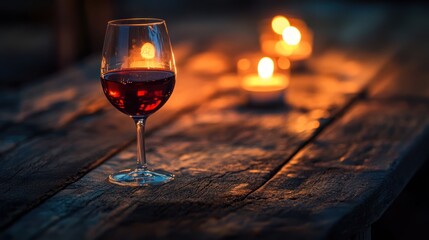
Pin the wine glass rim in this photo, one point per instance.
(136, 21)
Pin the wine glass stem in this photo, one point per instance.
(141, 152)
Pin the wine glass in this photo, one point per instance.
(138, 76)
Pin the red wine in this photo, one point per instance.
(138, 92)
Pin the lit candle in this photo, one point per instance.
(288, 38)
(266, 87)
(142, 57)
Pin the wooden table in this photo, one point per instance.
(327, 165)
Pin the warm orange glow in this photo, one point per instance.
(283, 48)
(318, 114)
(254, 83)
(279, 23)
(145, 64)
(114, 93)
(283, 63)
(291, 35)
(147, 51)
(265, 67)
(295, 40)
(103, 63)
(141, 93)
(303, 124)
(297, 52)
(208, 63)
(152, 106)
(266, 80)
(149, 107)
(268, 46)
(305, 49)
(228, 81)
(313, 124)
(352, 68)
(142, 57)
(243, 64)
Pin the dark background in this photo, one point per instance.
(39, 38)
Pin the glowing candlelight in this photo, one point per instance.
(291, 35)
(266, 87)
(142, 57)
(279, 23)
(288, 38)
(147, 51)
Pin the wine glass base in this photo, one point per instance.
(140, 177)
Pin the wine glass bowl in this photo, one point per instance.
(138, 92)
(138, 76)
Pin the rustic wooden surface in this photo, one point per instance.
(327, 165)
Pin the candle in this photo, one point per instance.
(142, 57)
(288, 38)
(266, 87)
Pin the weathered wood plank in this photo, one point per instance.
(215, 153)
(390, 166)
(407, 80)
(211, 152)
(55, 107)
(197, 149)
(342, 181)
(42, 165)
(61, 106)
(303, 115)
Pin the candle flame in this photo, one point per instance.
(265, 81)
(279, 23)
(147, 51)
(265, 67)
(291, 35)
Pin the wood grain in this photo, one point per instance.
(234, 175)
(50, 104)
(211, 151)
(342, 181)
(70, 138)
(58, 105)
(352, 167)
(221, 153)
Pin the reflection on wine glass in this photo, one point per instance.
(138, 76)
